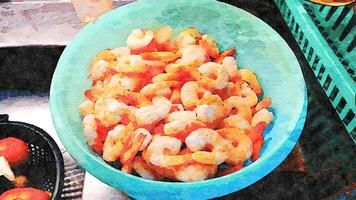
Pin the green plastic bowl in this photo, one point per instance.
(259, 48)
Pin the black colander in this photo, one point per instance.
(44, 168)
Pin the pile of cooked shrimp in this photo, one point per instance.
(170, 109)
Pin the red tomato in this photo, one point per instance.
(25, 194)
(14, 150)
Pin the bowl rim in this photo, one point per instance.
(83, 156)
(35, 130)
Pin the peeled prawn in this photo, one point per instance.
(237, 121)
(210, 110)
(178, 121)
(130, 63)
(250, 77)
(264, 103)
(240, 148)
(158, 89)
(101, 64)
(113, 144)
(262, 116)
(99, 69)
(188, 37)
(86, 108)
(209, 45)
(89, 128)
(242, 108)
(192, 53)
(207, 138)
(137, 141)
(229, 64)
(195, 172)
(163, 150)
(248, 96)
(153, 113)
(216, 77)
(139, 38)
(190, 94)
(121, 51)
(163, 34)
(109, 110)
(142, 168)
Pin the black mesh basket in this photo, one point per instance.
(44, 167)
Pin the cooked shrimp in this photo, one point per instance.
(181, 116)
(97, 90)
(86, 108)
(89, 128)
(137, 141)
(130, 63)
(248, 96)
(262, 116)
(237, 121)
(99, 69)
(113, 144)
(101, 64)
(180, 67)
(216, 76)
(175, 97)
(127, 168)
(163, 150)
(192, 53)
(240, 148)
(264, 103)
(209, 45)
(242, 109)
(164, 56)
(210, 139)
(142, 168)
(178, 121)
(250, 77)
(187, 37)
(226, 53)
(190, 93)
(129, 83)
(121, 51)
(195, 172)
(109, 111)
(153, 113)
(117, 82)
(210, 110)
(159, 88)
(229, 64)
(139, 38)
(163, 34)
(233, 89)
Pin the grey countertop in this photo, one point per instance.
(41, 22)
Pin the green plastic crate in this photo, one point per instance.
(326, 35)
